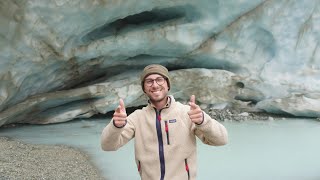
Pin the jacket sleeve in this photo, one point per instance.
(112, 138)
(211, 132)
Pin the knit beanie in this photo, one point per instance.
(155, 69)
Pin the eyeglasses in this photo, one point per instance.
(160, 81)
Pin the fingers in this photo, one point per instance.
(195, 112)
(120, 113)
(119, 122)
(196, 115)
(119, 117)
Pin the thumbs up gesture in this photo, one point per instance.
(120, 115)
(195, 112)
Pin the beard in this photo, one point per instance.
(157, 98)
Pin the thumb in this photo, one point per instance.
(122, 107)
(118, 110)
(192, 102)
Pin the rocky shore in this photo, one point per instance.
(237, 115)
(28, 161)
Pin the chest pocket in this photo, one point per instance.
(175, 132)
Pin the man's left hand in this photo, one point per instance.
(195, 113)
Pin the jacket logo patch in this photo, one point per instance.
(172, 120)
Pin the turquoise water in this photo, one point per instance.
(286, 149)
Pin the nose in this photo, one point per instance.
(154, 83)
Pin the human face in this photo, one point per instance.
(156, 93)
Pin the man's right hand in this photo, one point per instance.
(120, 115)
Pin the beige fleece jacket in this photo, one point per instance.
(164, 141)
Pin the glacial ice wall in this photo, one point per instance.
(65, 59)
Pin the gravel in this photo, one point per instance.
(236, 115)
(20, 160)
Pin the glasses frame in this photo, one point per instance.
(154, 80)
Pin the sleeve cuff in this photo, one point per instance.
(201, 121)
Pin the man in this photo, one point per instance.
(165, 130)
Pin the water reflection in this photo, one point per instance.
(277, 150)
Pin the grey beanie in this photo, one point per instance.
(155, 69)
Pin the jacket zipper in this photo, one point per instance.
(187, 168)
(160, 142)
(167, 132)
